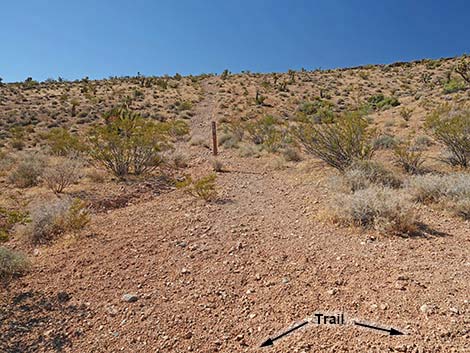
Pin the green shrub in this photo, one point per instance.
(203, 188)
(128, 145)
(182, 106)
(381, 102)
(12, 263)
(339, 144)
(406, 113)
(266, 132)
(384, 142)
(318, 111)
(453, 86)
(451, 127)
(175, 128)
(463, 69)
(8, 220)
(62, 142)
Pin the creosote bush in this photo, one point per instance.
(129, 144)
(339, 144)
(266, 132)
(12, 263)
(451, 127)
(63, 143)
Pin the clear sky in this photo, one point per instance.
(100, 38)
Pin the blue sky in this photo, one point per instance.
(72, 39)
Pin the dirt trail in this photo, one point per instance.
(225, 276)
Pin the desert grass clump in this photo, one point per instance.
(217, 165)
(384, 142)
(48, 220)
(363, 174)
(434, 188)
(291, 154)
(378, 208)
(28, 170)
(461, 208)
(12, 263)
(338, 144)
(199, 140)
(61, 173)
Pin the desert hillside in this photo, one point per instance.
(335, 191)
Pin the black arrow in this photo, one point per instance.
(270, 341)
(391, 331)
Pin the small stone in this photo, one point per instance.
(185, 270)
(252, 316)
(130, 298)
(424, 308)
(285, 280)
(332, 291)
(112, 311)
(384, 306)
(454, 310)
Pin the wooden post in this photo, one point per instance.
(214, 138)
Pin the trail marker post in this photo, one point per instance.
(214, 138)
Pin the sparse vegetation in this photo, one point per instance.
(377, 208)
(203, 188)
(12, 263)
(363, 174)
(62, 142)
(61, 173)
(408, 158)
(129, 145)
(27, 171)
(51, 219)
(381, 102)
(451, 127)
(339, 144)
